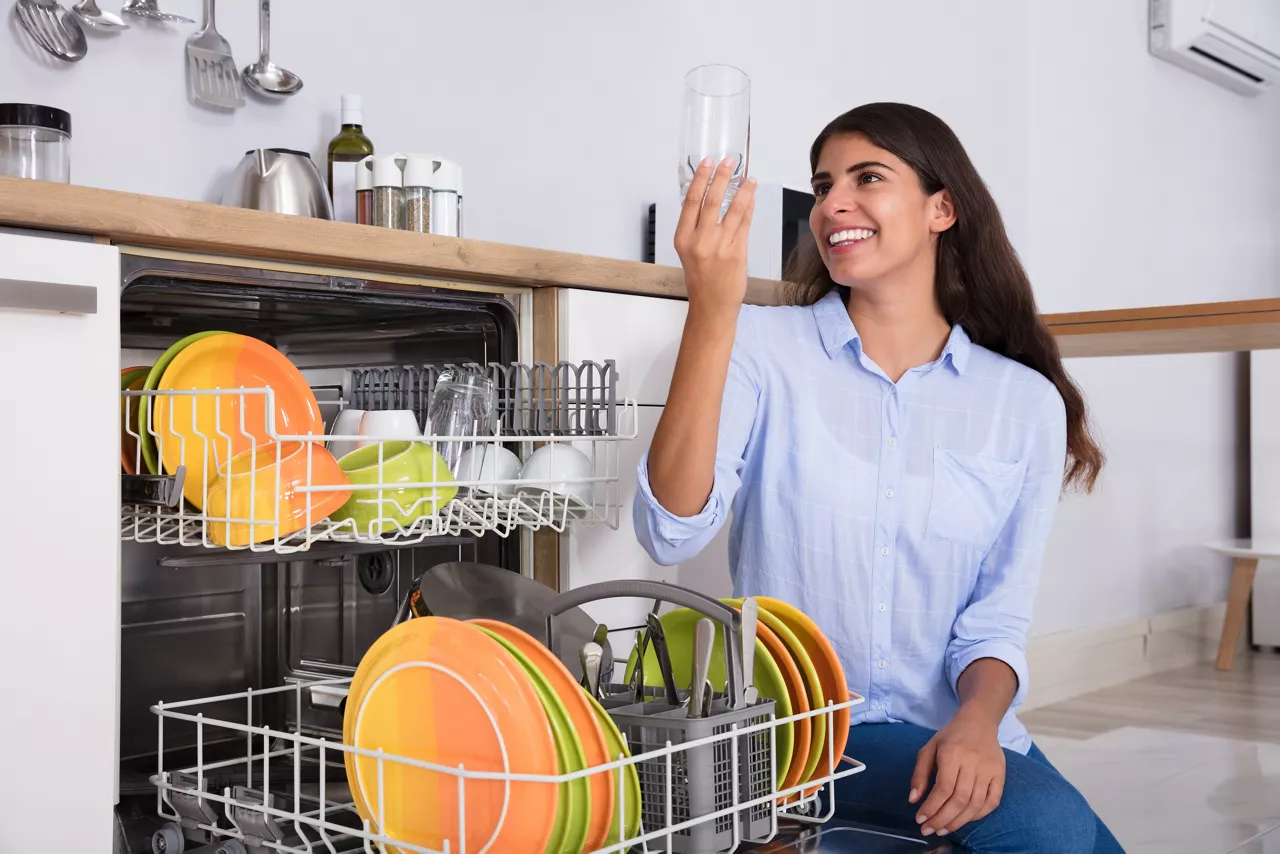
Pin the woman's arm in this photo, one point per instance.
(986, 659)
(713, 252)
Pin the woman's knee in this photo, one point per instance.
(1044, 814)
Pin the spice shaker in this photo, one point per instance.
(364, 191)
(388, 190)
(446, 199)
(419, 179)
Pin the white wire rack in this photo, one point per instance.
(268, 793)
(244, 484)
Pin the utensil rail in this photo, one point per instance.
(310, 821)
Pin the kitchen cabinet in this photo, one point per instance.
(59, 335)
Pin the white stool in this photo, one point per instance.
(1247, 553)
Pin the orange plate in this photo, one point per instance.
(830, 674)
(584, 722)
(444, 692)
(795, 690)
(228, 362)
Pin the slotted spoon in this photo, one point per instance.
(149, 9)
(53, 28)
(215, 80)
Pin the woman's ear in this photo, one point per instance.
(942, 211)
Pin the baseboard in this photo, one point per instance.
(1068, 664)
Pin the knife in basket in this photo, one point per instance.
(658, 637)
(704, 638)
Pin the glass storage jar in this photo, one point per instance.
(35, 142)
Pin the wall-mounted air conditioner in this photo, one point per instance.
(1235, 43)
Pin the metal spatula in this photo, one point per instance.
(215, 79)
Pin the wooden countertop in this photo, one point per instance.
(1198, 328)
(129, 218)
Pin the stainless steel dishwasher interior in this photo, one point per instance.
(206, 622)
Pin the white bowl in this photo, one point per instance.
(347, 423)
(559, 469)
(488, 462)
(387, 425)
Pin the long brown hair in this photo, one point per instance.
(979, 281)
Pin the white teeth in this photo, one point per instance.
(850, 234)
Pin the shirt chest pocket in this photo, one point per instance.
(971, 498)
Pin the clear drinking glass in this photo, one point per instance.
(716, 124)
(461, 405)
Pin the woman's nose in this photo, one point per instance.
(837, 202)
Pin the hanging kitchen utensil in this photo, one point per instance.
(750, 619)
(89, 13)
(151, 11)
(264, 75)
(658, 637)
(53, 28)
(464, 591)
(215, 80)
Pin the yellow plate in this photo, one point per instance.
(202, 432)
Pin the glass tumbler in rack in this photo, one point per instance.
(716, 123)
(462, 405)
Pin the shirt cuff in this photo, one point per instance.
(1016, 658)
(674, 529)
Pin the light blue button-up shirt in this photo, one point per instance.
(909, 519)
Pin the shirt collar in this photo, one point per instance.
(837, 330)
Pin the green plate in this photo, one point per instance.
(573, 813)
(811, 682)
(617, 746)
(679, 627)
(153, 382)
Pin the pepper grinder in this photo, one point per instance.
(446, 200)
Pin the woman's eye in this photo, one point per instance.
(869, 178)
(821, 189)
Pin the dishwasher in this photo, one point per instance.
(208, 622)
(239, 635)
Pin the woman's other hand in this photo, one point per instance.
(966, 763)
(713, 251)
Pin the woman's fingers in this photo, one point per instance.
(740, 210)
(943, 820)
(714, 200)
(693, 198)
(924, 771)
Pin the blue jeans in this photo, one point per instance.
(1040, 810)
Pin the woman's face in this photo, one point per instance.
(871, 219)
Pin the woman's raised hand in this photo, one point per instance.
(713, 251)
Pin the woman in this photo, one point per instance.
(893, 445)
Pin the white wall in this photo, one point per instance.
(1148, 186)
(1123, 180)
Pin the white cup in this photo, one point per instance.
(387, 424)
(347, 423)
(487, 462)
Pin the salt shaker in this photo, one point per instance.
(388, 190)
(419, 179)
(446, 199)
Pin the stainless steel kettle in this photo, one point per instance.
(278, 180)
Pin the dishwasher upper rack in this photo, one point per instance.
(250, 797)
(565, 399)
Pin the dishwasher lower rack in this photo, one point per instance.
(240, 481)
(286, 790)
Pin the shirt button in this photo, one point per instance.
(893, 440)
(893, 389)
(880, 607)
(884, 551)
(888, 493)
(882, 664)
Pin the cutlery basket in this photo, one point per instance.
(680, 785)
(699, 781)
